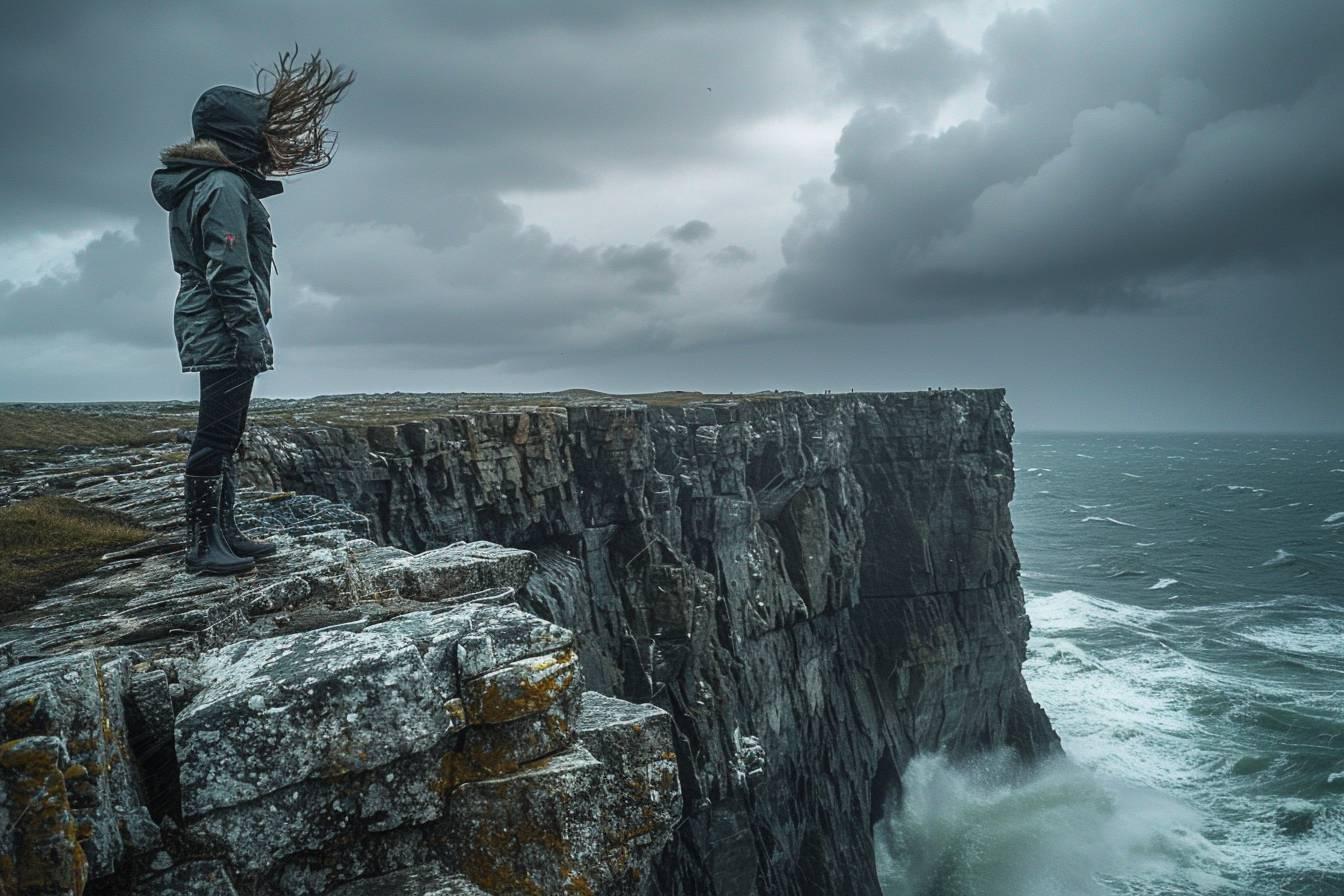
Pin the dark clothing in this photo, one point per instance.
(225, 395)
(220, 234)
(233, 118)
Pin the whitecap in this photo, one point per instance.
(1132, 475)
(1280, 557)
(1161, 584)
(1144, 544)
(1335, 518)
(1088, 456)
(1316, 638)
(1069, 609)
(1108, 519)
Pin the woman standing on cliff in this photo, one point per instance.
(220, 237)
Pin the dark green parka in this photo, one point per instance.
(220, 233)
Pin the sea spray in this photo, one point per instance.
(991, 827)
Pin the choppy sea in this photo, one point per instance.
(1186, 595)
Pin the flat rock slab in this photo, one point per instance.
(442, 573)
(315, 704)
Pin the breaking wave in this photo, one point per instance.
(992, 828)
(1108, 519)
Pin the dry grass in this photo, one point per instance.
(45, 428)
(47, 541)
(31, 433)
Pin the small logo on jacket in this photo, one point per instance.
(228, 240)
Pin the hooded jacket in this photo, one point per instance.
(220, 233)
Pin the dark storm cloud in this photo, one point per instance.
(1131, 149)
(405, 238)
(506, 288)
(115, 292)
(693, 231)
(496, 95)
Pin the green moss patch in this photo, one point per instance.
(47, 541)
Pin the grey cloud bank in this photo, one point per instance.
(1131, 150)
(1134, 226)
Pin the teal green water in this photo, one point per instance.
(1187, 603)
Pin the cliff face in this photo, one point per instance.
(814, 587)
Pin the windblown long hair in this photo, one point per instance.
(302, 94)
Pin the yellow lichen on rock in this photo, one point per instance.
(46, 855)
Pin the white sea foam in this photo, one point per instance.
(1280, 557)
(1161, 584)
(989, 829)
(1108, 519)
(1087, 456)
(1066, 610)
(1316, 638)
(1247, 488)
(1132, 475)
(1335, 518)
(1144, 544)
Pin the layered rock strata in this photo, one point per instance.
(350, 719)
(814, 588)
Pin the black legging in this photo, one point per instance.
(225, 395)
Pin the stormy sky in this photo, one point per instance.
(1128, 212)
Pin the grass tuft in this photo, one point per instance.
(47, 541)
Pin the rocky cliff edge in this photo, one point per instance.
(814, 587)
(351, 719)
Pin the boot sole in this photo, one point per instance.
(216, 571)
(266, 555)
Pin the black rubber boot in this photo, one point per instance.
(207, 550)
(228, 497)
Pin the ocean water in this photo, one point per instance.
(1187, 603)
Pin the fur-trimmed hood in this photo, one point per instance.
(201, 150)
(186, 164)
